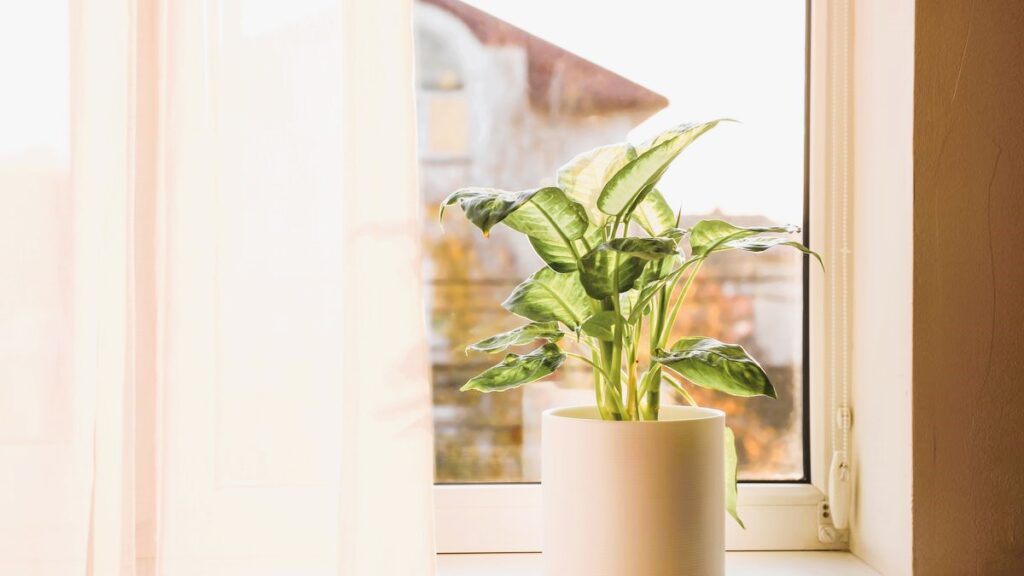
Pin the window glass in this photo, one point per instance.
(36, 226)
(509, 91)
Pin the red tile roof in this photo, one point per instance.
(559, 81)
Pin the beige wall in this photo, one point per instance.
(969, 288)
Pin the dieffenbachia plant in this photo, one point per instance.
(603, 285)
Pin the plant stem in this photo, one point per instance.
(585, 359)
(650, 393)
(632, 407)
(679, 388)
(606, 351)
(586, 343)
(616, 359)
(672, 276)
(599, 389)
(657, 319)
(619, 411)
(631, 368)
(667, 328)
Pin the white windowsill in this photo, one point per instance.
(736, 563)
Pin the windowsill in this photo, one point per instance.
(736, 563)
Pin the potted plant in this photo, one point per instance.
(630, 486)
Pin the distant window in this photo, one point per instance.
(442, 100)
(444, 125)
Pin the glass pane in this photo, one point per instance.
(42, 433)
(36, 216)
(509, 91)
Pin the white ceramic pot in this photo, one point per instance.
(634, 498)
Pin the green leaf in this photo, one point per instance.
(486, 207)
(614, 266)
(516, 370)
(549, 296)
(559, 256)
(549, 213)
(654, 214)
(540, 212)
(601, 325)
(712, 364)
(674, 233)
(584, 176)
(551, 220)
(675, 131)
(658, 270)
(713, 235)
(625, 190)
(517, 337)
(731, 463)
(762, 243)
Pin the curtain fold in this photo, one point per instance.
(217, 266)
(388, 410)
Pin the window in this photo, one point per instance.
(508, 92)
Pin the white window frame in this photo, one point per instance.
(491, 518)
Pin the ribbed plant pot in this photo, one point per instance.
(634, 498)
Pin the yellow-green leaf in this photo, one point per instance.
(713, 235)
(716, 365)
(731, 463)
(625, 190)
(551, 215)
(554, 224)
(486, 207)
(762, 243)
(654, 215)
(549, 296)
(559, 256)
(584, 176)
(613, 267)
(523, 335)
(601, 325)
(516, 370)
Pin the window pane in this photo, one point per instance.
(36, 217)
(509, 91)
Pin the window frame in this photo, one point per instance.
(495, 518)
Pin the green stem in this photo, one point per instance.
(599, 389)
(615, 366)
(607, 350)
(633, 400)
(584, 358)
(657, 320)
(650, 392)
(619, 410)
(670, 277)
(651, 400)
(663, 336)
(679, 388)
(585, 342)
(650, 395)
(634, 347)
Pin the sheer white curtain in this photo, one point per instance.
(212, 355)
